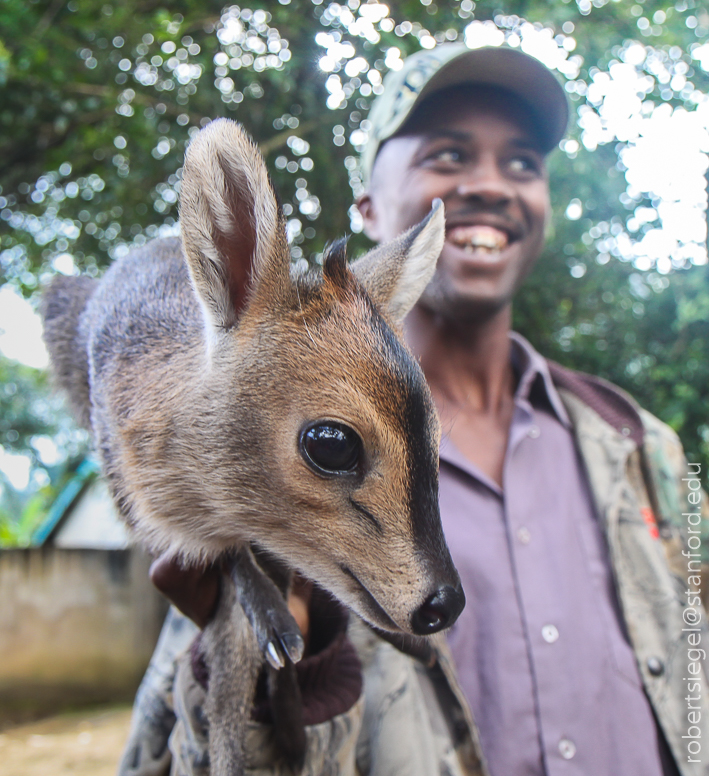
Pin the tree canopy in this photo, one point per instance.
(98, 101)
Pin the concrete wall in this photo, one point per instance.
(76, 626)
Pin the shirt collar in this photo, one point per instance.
(533, 372)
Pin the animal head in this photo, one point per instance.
(324, 426)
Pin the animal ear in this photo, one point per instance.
(233, 233)
(396, 272)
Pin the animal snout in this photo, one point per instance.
(439, 611)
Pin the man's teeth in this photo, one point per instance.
(476, 238)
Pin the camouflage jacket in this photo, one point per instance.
(411, 717)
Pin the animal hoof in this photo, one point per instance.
(274, 656)
(275, 628)
(294, 645)
(291, 644)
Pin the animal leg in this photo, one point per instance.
(287, 711)
(283, 690)
(234, 661)
(264, 605)
(233, 652)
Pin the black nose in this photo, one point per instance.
(439, 611)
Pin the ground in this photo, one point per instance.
(80, 744)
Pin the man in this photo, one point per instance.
(560, 499)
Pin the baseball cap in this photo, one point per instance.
(451, 64)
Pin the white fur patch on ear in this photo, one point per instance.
(420, 263)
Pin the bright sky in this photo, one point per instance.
(21, 340)
(20, 330)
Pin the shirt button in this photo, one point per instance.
(550, 633)
(655, 666)
(523, 535)
(533, 432)
(567, 748)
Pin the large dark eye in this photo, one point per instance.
(331, 448)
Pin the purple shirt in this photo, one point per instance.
(541, 650)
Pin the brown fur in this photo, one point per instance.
(204, 363)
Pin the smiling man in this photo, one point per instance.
(542, 648)
(561, 499)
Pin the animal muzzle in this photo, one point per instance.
(439, 611)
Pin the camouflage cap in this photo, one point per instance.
(450, 64)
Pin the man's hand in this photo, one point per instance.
(195, 591)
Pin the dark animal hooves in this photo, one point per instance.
(277, 633)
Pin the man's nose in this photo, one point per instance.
(485, 184)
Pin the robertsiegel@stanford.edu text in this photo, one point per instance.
(693, 615)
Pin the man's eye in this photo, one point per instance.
(445, 156)
(523, 164)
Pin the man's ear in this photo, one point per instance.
(365, 205)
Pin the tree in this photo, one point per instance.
(98, 101)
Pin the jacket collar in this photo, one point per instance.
(608, 401)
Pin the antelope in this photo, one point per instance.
(241, 407)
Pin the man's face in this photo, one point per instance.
(474, 151)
